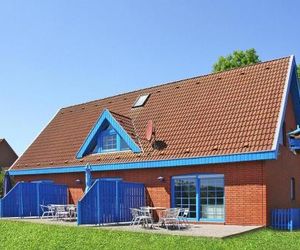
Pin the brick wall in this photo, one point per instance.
(278, 173)
(245, 192)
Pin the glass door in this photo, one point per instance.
(211, 198)
(203, 194)
(185, 195)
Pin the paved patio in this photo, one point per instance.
(198, 230)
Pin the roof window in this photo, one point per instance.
(141, 101)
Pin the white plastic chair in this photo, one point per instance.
(171, 218)
(72, 212)
(61, 213)
(183, 216)
(135, 215)
(147, 213)
(140, 216)
(48, 211)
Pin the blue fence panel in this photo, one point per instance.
(286, 219)
(109, 201)
(296, 218)
(88, 206)
(11, 203)
(49, 193)
(25, 198)
(28, 199)
(132, 195)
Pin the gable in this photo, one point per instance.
(295, 94)
(289, 116)
(107, 135)
(7, 154)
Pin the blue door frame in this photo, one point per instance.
(196, 177)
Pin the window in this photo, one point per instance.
(109, 140)
(123, 145)
(185, 195)
(202, 194)
(212, 198)
(141, 101)
(293, 189)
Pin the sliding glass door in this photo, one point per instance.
(185, 195)
(211, 198)
(202, 194)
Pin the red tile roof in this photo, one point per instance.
(127, 124)
(224, 113)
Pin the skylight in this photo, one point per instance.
(141, 101)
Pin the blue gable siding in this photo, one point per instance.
(293, 90)
(106, 116)
(295, 95)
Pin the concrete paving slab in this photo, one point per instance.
(195, 230)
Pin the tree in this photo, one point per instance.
(298, 70)
(237, 59)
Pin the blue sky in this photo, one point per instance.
(55, 53)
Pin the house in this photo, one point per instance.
(7, 155)
(217, 144)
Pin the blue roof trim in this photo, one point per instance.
(293, 89)
(295, 93)
(107, 116)
(255, 156)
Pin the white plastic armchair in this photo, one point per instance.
(183, 216)
(61, 213)
(48, 211)
(171, 218)
(140, 216)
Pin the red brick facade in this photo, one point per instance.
(245, 192)
(251, 189)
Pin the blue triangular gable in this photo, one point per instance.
(295, 93)
(106, 116)
(292, 88)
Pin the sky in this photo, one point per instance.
(56, 53)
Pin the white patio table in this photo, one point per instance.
(64, 211)
(158, 209)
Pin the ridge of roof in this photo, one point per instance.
(173, 82)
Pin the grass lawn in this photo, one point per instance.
(24, 235)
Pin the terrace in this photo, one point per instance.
(26, 235)
(195, 230)
(106, 204)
